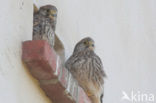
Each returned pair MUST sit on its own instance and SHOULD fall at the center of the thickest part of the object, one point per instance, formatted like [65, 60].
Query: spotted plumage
[44, 24]
[86, 67]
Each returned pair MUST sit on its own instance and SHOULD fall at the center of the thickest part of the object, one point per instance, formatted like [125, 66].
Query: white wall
[16, 83]
[124, 32]
[125, 36]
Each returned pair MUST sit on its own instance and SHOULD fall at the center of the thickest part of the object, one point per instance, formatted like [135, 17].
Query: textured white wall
[16, 84]
[124, 32]
[125, 36]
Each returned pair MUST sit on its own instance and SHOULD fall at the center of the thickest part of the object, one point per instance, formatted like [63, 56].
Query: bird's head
[49, 11]
[85, 44]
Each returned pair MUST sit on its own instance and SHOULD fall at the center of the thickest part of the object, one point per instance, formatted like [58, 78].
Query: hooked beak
[51, 17]
[53, 14]
[91, 45]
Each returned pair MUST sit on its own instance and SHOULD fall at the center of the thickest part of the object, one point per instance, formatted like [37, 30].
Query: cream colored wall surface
[16, 84]
[125, 36]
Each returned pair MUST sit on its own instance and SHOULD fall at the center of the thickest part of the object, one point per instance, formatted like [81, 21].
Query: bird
[35, 9]
[87, 69]
[46, 17]
[44, 22]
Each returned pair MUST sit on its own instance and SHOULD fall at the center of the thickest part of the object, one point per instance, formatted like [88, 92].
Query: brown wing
[42, 29]
[99, 73]
[88, 71]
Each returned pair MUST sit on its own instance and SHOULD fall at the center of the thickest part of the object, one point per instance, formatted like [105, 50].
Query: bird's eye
[85, 42]
[48, 10]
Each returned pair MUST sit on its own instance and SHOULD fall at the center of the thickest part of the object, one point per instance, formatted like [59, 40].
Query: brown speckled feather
[86, 67]
[42, 29]
[44, 23]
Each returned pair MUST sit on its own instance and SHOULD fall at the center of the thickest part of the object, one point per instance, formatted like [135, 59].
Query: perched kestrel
[44, 24]
[86, 67]
[44, 28]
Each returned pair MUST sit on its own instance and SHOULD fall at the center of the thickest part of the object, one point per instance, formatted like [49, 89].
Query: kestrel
[86, 67]
[44, 24]
[44, 28]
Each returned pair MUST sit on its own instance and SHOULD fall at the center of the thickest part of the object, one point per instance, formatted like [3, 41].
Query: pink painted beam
[42, 62]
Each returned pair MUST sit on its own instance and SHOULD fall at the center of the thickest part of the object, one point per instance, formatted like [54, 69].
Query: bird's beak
[53, 14]
[51, 17]
[91, 45]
